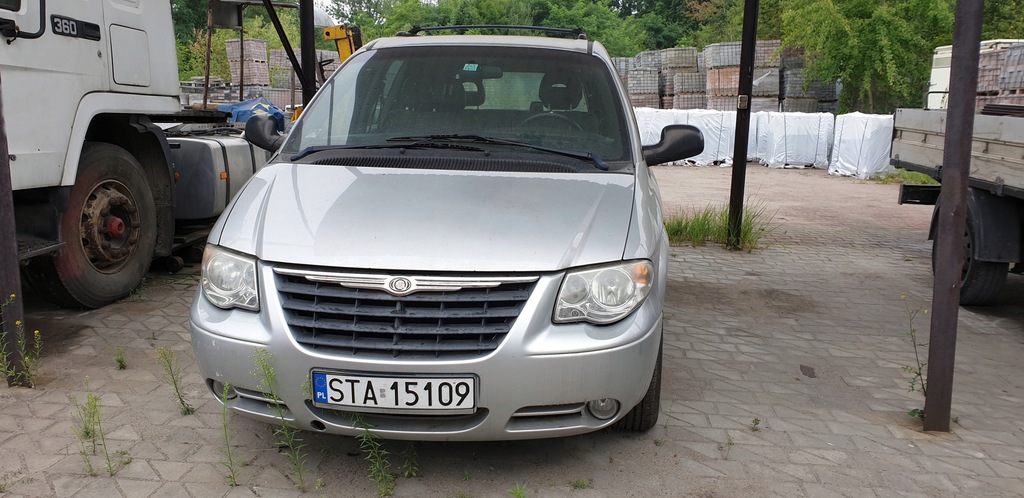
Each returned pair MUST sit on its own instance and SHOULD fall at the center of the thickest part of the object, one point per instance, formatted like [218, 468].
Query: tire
[644, 415]
[980, 281]
[109, 230]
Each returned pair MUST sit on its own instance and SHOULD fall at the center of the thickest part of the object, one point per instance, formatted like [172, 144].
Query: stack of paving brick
[1011, 78]
[680, 78]
[799, 95]
[250, 63]
[644, 82]
[622, 66]
[723, 75]
[283, 76]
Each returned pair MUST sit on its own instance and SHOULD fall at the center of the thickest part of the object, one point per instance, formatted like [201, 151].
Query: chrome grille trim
[356, 315]
[417, 283]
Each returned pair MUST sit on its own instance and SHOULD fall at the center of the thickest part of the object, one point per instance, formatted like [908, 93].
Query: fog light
[603, 409]
[217, 388]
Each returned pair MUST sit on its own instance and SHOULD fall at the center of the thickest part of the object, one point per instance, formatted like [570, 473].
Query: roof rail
[577, 33]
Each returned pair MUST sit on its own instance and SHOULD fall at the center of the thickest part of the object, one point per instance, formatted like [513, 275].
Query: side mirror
[677, 142]
[261, 131]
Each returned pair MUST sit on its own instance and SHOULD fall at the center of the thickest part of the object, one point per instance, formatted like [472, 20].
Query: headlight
[604, 294]
[229, 279]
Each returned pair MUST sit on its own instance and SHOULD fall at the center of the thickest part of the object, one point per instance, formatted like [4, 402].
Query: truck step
[30, 248]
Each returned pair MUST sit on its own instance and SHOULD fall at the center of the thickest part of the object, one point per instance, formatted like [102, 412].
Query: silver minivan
[460, 239]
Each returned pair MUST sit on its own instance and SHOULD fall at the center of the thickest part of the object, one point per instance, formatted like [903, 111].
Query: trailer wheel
[109, 231]
[980, 281]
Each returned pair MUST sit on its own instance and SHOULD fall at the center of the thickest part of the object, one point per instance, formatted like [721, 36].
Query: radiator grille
[465, 323]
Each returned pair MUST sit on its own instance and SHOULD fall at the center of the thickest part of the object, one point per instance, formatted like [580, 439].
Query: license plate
[430, 395]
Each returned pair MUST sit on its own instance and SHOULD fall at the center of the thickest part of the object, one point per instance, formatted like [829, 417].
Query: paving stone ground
[807, 337]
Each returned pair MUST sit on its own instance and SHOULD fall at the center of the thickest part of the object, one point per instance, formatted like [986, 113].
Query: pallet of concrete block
[861, 145]
[679, 57]
[723, 81]
[991, 63]
[767, 53]
[622, 65]
[254, 50]
[252, 72]
[648, 59]
[794, 84]
[689, 101]
[808, 105]
[1012, 77]
[643, 81]
[757, 104]
[766, 82]
[651, 100]
[797, 140]
[689, 83]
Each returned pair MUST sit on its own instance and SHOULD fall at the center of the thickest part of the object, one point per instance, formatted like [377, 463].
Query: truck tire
[980, 281]
[109, 231]
[644, 415]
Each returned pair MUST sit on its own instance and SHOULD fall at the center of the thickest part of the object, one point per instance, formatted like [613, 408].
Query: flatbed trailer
[995, 202]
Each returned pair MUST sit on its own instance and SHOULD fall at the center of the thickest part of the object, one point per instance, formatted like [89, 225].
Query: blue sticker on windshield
[470, 67]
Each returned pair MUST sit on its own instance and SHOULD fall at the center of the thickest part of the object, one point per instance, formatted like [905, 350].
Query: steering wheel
[552, 121]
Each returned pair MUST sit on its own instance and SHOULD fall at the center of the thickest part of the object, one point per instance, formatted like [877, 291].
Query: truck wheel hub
[110, 226]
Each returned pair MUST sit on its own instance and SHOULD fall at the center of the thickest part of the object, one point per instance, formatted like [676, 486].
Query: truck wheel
[980, 281]
[109, 231]
[644, 415]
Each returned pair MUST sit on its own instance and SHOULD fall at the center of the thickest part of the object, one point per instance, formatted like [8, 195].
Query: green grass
[904, 176]
[711, 224]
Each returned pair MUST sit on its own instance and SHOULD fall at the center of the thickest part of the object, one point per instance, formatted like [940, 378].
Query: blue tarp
[242, 111]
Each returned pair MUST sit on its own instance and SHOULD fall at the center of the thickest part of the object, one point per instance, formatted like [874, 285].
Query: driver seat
[560, 92]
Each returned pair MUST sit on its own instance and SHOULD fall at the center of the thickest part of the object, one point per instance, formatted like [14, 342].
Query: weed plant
[579, 484]
[755, 424]
[286, 436]
[711, 224]
[410, 467]
[87, 424]
[172, 375]
[29, 349]
[231, 462]
[372, 447]
[120, 358]
[517, 492]
[918, 369]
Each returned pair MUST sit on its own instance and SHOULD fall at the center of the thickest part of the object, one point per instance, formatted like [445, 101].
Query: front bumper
[534, 385]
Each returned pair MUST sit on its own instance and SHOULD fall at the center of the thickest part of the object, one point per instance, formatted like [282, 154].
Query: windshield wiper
[419, 144]
[479, 139]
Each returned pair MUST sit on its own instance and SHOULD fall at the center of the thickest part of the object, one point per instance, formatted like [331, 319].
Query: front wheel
[109, 232]
[644, 415]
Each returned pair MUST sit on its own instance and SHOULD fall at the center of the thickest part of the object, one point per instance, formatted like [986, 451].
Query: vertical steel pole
[209, 42]
[307, 49]
[739, 154]
[949, 248]
[10, 279]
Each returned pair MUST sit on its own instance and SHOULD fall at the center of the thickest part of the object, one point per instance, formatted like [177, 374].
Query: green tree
[1003, 19]
[722, 21]
[622, 37]
[880, 52]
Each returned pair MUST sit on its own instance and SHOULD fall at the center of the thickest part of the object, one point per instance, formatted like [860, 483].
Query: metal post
[739, 150]
[949, 247]
[307, 47]
[10, 279]
[276, 21]
[241, 54]
[209, 42]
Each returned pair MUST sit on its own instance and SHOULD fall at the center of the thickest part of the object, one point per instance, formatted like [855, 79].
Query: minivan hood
[428, 220]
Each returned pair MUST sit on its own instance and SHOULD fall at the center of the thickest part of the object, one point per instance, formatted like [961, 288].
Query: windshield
[552, 99]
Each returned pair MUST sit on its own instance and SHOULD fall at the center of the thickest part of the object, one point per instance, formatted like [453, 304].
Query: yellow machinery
[347, 39]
